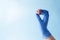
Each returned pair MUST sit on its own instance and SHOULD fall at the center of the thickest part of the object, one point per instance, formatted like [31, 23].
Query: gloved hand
[43, 22]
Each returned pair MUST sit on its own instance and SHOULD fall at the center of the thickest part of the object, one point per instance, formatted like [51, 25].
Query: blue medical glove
[44, 23]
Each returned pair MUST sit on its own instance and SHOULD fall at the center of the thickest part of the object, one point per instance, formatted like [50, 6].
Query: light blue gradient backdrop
[18, 20]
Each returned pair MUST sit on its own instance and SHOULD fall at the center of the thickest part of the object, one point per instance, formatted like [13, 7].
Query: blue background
[18, 20]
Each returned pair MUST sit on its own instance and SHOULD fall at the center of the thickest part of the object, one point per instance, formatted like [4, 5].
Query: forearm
[50, 38]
